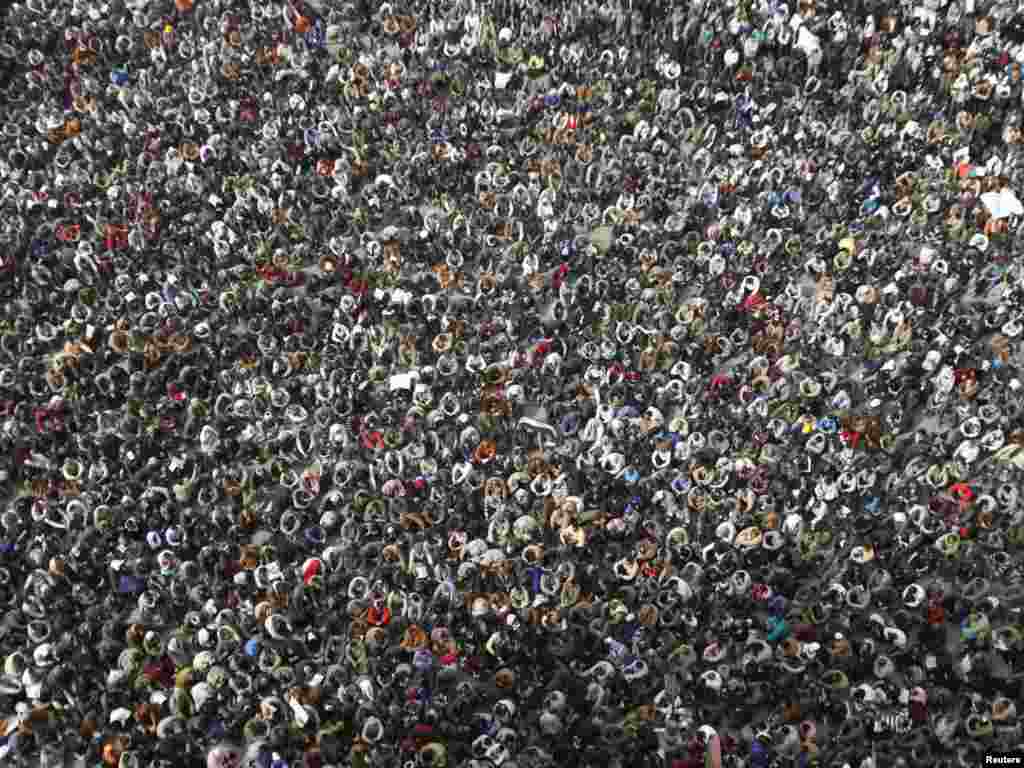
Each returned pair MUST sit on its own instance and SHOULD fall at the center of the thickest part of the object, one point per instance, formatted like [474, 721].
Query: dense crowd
[504, 384]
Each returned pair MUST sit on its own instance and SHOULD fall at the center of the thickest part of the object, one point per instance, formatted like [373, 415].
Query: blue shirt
[129, 585]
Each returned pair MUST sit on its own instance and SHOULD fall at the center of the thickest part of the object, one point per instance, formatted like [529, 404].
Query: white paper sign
[403, 380]
[808, 42]
[1002, 204]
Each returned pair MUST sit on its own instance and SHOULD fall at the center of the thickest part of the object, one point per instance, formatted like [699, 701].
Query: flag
[310, 570]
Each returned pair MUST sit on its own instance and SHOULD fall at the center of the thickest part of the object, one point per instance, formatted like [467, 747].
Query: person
[324, 363]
